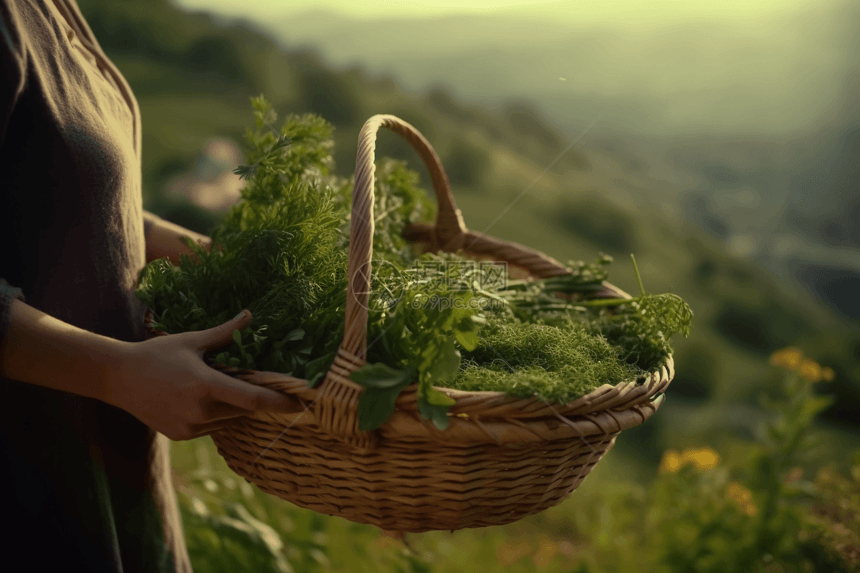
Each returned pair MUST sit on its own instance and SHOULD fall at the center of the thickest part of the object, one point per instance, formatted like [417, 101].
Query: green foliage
[781, 440]
[558, 363]
[697, 526]
[641, 329]
[282, 253]
[279, 256]
[638, 328]
[306, 141]
[465, 163]
[602, 223]
[329, 94]
[233, 542]
[700, 514]
[232, 526]
[420, 333]
[831, 531]
[399, 201]
[382, 386]
[697, 371]
[151, 46]
[533, 345]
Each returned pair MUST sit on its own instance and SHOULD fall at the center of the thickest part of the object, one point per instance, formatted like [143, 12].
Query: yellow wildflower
[827, 374]
[743, 497]
[671, 461]
[703, 459]
[788, 357]
[739, 493]
[810, 369]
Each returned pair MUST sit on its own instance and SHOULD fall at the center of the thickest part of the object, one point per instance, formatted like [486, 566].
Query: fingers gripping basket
[499, 460]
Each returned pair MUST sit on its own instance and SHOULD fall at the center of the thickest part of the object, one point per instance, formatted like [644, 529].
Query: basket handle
[448, 234]
[341, 422]
[449, 227]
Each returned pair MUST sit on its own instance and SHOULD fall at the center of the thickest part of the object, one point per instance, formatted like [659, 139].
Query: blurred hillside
[758, 109]
[193, 77]
[672, 72]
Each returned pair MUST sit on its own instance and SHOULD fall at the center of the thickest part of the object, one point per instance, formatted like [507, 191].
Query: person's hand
[164, 383]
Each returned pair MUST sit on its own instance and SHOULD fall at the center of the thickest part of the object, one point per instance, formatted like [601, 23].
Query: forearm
[164, 239]
[45, 351]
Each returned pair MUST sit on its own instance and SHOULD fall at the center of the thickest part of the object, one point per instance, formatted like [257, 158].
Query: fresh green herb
[433, 319]
[284, 252]
[559, 362]
[422, 332]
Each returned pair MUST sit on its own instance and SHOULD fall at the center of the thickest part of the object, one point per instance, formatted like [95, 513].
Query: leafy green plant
[232, 526]
[640, 327]
[528, 343]
[236, 541]
[282, 253]
[757, 515]
[831, 530]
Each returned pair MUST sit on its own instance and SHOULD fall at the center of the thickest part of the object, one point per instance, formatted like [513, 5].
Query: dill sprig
[557, 362]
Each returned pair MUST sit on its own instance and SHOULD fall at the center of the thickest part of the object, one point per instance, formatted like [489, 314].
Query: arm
[164, 239]
[163, 382]
[45, 351]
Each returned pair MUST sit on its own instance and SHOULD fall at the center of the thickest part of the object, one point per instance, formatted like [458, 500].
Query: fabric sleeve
[12, 65]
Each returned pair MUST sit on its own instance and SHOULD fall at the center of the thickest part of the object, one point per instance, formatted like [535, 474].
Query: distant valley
[770, 172]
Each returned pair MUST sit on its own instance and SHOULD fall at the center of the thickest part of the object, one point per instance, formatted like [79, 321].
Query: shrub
[597, 221]
[215, 54]
[697, 369]
[465, 163]
[330, 95]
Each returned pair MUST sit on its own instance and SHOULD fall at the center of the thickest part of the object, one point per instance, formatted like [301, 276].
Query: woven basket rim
[453, 392]
[477, 416]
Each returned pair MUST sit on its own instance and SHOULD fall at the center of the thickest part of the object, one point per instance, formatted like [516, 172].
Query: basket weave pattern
[499, 460]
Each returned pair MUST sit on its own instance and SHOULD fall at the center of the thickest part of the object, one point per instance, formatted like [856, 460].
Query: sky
[725, 66]
[614, 11]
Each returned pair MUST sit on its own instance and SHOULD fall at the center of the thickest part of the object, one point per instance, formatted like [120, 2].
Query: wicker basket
[499, 460]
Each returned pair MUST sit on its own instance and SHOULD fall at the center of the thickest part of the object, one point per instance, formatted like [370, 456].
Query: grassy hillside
[193, 80]
[649, 70]
[772, 151]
